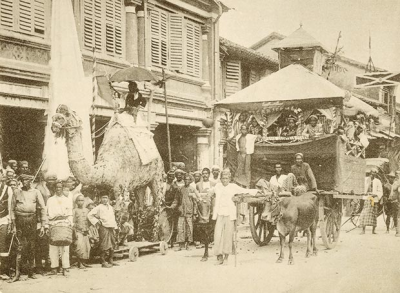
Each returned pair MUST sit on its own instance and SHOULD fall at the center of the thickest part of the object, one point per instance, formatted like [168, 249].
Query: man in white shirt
[278, 179]
[103, 218]
[59, 211]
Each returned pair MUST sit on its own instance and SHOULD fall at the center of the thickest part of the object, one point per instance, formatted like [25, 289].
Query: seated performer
[254, 127]
[291, 128]
[313, 129]
[134, 98]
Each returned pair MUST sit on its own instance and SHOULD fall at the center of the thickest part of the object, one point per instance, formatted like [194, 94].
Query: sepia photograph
[199, 146]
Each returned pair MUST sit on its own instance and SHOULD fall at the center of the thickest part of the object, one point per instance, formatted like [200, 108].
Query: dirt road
[360, 263]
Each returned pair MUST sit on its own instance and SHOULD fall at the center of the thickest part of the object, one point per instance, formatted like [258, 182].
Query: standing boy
[81, 229]
[103, 218]
[187, 210]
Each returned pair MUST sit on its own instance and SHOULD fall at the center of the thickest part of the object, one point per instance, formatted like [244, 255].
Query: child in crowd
[93, 234]
[187, 212]
[125, 229]
[81, 230]
[103, 218]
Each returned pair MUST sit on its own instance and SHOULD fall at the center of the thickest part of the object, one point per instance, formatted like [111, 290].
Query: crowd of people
[41, 220]
[47, 223]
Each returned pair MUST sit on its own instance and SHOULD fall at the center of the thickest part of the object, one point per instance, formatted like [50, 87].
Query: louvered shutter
[113, 36]
[92, 24]
[97, 26]
[88, 24]
[159, 37]
[7, 13]
[39, 21]
[192, 55]
[176, 41]
[25, 16]
[232, 77]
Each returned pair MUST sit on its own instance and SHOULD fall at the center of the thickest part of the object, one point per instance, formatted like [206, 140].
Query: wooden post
[149, 109]
[166, 119]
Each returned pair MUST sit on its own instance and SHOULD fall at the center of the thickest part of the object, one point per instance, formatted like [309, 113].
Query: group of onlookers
[40, 221]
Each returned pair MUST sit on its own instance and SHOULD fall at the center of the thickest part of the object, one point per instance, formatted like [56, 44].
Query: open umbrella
[137, 74]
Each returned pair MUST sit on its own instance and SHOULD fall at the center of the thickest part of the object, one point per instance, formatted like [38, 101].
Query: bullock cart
[339, 176]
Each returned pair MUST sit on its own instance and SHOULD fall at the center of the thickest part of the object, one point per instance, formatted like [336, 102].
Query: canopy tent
[290, 86]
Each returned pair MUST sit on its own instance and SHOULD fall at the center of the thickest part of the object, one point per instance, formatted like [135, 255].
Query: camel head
[65, 122]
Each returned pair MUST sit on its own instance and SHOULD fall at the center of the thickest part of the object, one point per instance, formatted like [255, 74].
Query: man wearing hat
[25, 205]
[6, 194]
[313, 129]
[23, 167]
[171, 201]
[303, 172]
[394, 201]
[59, 209]
[179, 177]
[103, 217]
[13, 165]
[373, 188]
[291, 128]
[215, 170]
[197, 176]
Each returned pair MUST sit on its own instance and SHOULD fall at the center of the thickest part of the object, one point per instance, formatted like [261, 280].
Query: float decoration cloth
[333, 169]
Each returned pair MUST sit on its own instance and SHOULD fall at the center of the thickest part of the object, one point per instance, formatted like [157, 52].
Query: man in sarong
[171, 201]
[374, 190]
[245, 148]
[81, 231]
[303, 173]
[59, 210]
[187, 211]
[225, 215]
[25, 204]
[103, 218]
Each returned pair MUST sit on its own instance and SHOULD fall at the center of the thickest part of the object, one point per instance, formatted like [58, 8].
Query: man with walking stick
[225, 213]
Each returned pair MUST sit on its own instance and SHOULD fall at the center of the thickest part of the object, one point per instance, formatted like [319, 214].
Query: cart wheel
[133, 254]
[330, 220]
[261, 231]
[163, 247]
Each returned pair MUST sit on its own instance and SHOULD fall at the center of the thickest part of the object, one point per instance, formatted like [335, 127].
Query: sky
[251, 20]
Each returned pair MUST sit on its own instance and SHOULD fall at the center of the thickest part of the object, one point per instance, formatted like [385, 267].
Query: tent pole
[166, 120]
[149, 109]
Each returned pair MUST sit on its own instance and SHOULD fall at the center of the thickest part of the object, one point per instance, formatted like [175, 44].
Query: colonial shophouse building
[180, 36]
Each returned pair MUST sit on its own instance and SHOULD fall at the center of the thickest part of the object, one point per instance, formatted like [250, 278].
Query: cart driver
[303, 170]
[278, 179]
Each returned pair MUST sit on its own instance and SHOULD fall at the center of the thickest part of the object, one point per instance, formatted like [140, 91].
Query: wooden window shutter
[25, 16]
[39, 20]
[92, 25]
[176, 41]
[232, 77]
[193, 46]
[113, 36]
[159, 37]
[7, 13]
[97, 31]
[88, 24]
